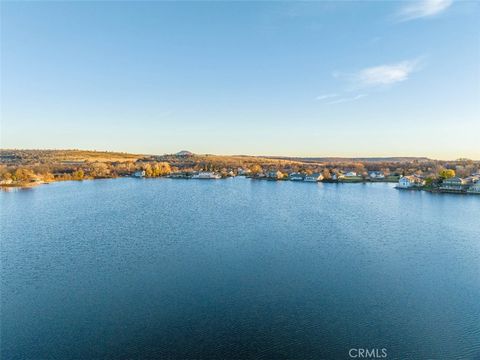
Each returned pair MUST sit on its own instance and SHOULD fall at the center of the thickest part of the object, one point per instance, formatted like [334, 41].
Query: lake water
[237, 269]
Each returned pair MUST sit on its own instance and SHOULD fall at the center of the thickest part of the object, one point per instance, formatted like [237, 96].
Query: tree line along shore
[23, 168]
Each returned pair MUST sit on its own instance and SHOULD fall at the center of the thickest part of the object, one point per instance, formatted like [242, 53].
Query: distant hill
[184, 153]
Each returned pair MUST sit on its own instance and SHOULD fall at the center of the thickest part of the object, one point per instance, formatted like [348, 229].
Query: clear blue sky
[273, 78]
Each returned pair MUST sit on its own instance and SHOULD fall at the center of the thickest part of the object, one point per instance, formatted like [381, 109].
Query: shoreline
[4, 187]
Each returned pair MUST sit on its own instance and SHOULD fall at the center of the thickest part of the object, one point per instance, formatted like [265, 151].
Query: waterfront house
[315, 177]
[260, 175]
[139, 174]
[180, 175]
[243, 172]
[337, 176]
[351, 174]
[472, 179]
[275, 175]
[453, 184]
[206, 175]
[296, 177]
[412, 181]
[475, 188]
[376, 175]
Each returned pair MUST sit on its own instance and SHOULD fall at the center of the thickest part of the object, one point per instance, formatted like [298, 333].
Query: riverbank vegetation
[30, 167]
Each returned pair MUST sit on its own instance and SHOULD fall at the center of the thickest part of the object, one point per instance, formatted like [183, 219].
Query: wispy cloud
[326, 96]
[347, 99]
[384, 75]
[421, 9]
[370, 79]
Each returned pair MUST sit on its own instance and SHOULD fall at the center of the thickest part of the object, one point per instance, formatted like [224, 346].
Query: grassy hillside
[29, 157]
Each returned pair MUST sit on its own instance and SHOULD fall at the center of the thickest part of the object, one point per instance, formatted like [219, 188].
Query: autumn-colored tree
[256, 169]
[78, 175]
[164, 168]
[157, 169]
[100, 170]
[446, 173]
[23, 175]
[148, 170]
[6, 176]
[48, 177]
[359, 168]
[326, 174]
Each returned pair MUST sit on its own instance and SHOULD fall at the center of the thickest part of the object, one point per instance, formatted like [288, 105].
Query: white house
[376, 175]
[243, 172]
[475, 188]
[472, 179]
[411, 181]
[351, 174]
[455, 183]
[275, 175]
[315, 177]
[296, 177]
[139, 174]
[205, 175]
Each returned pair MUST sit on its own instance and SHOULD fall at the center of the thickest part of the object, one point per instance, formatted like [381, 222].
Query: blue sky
[272, 78]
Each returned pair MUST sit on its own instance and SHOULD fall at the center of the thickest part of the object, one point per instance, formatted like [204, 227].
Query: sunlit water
[237, 269]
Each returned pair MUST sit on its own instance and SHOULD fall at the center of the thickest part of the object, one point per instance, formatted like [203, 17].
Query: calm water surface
[237, 269]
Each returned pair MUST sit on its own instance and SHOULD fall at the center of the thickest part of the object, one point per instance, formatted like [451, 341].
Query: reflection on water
[237, 269]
